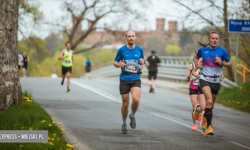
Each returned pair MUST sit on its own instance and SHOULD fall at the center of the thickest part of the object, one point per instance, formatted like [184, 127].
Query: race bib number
[195, 82]
[67, 62]
[131, 67]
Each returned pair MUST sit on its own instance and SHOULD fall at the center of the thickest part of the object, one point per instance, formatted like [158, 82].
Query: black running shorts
[200, 90]
[152, 74]
[87, 69]
[193, 92]
[215, 87]
[66, 69]
[125, 86]
[25, 66]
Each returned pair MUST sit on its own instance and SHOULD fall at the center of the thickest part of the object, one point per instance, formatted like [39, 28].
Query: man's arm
[228, 64]
[194, 73]
[73, 58]
[146, 62]
[61, 57]
[21, 58]
[141, 61]
[188, 73]
[195, 59]
[159, 62]
[119, 65]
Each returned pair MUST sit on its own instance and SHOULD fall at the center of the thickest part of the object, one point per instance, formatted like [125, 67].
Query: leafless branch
[197, 13]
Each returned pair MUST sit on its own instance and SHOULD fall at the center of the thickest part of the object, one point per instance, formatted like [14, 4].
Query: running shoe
[204, 123]
[196, 114]
[205, 132]
[132, 122]
[194, 127]
[124, 129]
[153, 91]
[62, 82]
[210, 130]
[199, 116]
[150, 90]
[68, 89]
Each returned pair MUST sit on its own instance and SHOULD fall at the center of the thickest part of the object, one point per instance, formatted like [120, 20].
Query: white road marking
[113, 98]
[102, 93]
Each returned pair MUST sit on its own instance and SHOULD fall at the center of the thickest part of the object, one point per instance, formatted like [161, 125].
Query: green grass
[30, 116]
[237, 98]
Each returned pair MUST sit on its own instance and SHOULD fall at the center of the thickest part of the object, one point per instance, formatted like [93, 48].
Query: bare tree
[92, 12]
[202, 13]
[28, 10]
[10, 88]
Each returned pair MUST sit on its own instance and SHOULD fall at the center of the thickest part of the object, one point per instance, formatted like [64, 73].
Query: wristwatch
[222, 63]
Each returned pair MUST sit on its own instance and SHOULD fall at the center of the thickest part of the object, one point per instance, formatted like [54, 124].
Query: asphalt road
[90, 113]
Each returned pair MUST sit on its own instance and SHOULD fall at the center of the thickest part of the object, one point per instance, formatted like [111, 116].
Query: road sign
[238, 25]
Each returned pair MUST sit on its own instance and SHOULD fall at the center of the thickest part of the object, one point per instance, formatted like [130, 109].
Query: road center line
[113, 98]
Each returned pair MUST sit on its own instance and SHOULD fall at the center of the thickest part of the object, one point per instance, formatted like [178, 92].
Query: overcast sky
[167, 9]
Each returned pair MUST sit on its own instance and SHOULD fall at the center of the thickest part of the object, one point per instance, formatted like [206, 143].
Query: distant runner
[20, 60]
[153, 62]
[67, 56]
[196, 94]
[26, 59]
[88, 64]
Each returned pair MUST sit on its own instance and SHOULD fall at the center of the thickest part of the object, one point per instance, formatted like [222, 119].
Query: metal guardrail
[173, 69]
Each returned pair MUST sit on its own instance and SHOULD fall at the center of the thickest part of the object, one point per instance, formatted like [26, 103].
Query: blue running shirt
[131, 58]
[86, 62]
[210, 67]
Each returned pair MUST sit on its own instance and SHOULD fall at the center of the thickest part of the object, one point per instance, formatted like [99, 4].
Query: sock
[124, 121]
[208, 114]
[150, 86]
[133, 113]
[67, 87]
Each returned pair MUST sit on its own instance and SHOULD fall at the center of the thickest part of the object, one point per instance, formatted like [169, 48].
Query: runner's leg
[136, 93]
[68, 74]
[149, 82]
[194, 101]
[125, 103]
[124, 111]
[153, 83]
[208, 109]
[209, 103]
[24, 71]
[202, 102]
[214, 99]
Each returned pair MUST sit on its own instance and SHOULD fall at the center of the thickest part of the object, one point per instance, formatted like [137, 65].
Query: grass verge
[237, 98]
[30, 116]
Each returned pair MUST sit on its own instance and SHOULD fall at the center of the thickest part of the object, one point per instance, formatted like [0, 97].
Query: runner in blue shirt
[213, 59]
[88, 64]
[129, 58]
